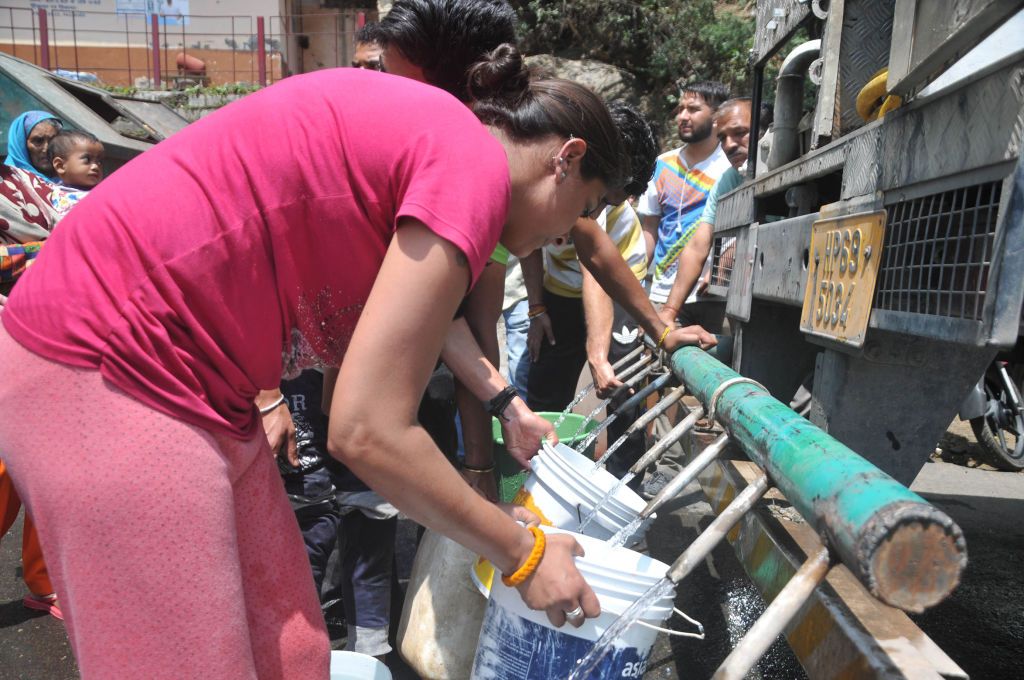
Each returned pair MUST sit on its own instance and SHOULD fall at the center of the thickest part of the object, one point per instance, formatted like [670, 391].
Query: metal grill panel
[938, 253]
[723, 259]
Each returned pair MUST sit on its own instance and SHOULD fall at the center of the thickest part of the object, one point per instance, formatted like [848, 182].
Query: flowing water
[590, 416]
[589, 517]
[597, 432]
[572, 404]
[612, 449]
[588, 664]
[623, 535]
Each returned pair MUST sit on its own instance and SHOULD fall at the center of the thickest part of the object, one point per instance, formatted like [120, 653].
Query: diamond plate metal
[864, 50]
[863, 169]
[790, 14]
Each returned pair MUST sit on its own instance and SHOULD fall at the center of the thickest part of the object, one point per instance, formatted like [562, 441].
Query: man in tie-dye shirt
[672, 205]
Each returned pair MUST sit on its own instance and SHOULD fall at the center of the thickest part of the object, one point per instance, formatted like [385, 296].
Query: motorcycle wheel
[1001, 436]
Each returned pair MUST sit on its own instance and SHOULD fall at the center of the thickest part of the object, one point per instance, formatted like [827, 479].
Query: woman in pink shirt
[339, 214]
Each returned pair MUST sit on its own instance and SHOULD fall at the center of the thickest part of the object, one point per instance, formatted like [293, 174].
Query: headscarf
[17, 140]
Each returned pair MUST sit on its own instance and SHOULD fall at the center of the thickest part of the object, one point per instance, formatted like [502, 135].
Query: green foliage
[662, 42]
[119, 90]
[220, 90]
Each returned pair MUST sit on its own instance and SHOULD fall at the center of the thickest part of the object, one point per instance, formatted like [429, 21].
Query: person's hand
[557, 587]
[281, 433]
[540, 329]
[605, 381]
[520, 514]
[482, 482]
[668, 316]
[690, 335]
[523, 432]
[703, 283]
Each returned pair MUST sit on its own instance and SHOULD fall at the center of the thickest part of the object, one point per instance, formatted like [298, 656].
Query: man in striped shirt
[671, 207]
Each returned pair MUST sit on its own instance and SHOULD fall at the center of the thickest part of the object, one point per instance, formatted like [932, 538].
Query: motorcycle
[996, 412]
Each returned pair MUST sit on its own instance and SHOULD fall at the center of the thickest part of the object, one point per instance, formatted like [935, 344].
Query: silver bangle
[267, 409]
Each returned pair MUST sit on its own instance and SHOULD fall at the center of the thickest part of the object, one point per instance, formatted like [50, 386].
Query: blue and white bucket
[517, 643]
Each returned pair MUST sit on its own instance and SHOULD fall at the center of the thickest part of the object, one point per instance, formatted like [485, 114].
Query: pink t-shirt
[189, 275]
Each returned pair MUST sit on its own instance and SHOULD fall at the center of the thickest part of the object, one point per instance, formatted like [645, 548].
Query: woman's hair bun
[501, 74]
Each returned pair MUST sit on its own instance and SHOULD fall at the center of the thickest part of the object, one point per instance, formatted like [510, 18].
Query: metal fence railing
[147, 50]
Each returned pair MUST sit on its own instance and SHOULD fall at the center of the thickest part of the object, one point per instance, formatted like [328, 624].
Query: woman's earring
[564, 174]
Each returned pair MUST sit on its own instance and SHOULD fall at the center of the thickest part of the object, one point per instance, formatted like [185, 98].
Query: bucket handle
[677, 633]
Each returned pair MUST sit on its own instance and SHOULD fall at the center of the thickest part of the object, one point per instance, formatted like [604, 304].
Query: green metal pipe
[905, 551]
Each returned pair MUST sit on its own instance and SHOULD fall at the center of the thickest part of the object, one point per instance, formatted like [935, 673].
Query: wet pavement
[33, 645]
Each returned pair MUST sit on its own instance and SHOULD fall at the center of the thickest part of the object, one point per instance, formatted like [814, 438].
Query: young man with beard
[671, 208]
[670, 212]
[732, 121]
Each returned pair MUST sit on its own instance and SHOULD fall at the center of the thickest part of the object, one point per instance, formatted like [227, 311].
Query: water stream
[589, 663]
[591, 416]
[590, 438]
[612, 449]
[624, 534]
[589, 517]
[572, 404]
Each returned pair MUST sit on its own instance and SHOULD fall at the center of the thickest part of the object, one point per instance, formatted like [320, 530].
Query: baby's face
[83, 167]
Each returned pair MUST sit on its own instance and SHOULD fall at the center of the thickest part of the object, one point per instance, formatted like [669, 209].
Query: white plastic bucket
[564, 487]
[517, 643]
[353, 666]
[598, 480]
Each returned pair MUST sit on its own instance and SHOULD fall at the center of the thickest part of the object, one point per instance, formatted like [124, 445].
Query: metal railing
[136, 49]
[904, 552]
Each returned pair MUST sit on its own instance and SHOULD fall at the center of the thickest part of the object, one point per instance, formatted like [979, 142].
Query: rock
[608, 81]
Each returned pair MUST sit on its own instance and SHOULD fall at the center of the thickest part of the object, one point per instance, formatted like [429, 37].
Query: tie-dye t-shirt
[677, 194]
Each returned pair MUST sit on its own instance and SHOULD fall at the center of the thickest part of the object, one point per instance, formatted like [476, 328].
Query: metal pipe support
[717, 530]
[775, 618]
[686, 475]
[670, 438]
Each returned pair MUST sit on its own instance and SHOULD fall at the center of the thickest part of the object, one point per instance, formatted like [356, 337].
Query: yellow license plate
[843, 265]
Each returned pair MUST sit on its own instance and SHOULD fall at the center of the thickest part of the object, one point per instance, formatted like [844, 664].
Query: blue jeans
[312, 497]
[517, 325]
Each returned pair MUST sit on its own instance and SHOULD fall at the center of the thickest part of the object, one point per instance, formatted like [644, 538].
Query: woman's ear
[570, 154]
[573, 150]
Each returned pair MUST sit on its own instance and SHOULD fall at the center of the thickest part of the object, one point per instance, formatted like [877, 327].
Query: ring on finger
[575, 613]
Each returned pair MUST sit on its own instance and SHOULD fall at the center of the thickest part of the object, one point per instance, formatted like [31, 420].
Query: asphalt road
[981, 626]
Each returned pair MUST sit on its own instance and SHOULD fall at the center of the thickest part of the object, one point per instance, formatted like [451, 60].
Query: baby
[77, 159]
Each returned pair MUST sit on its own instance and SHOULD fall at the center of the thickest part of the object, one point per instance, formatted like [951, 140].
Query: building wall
[100, 22]
[113, 39]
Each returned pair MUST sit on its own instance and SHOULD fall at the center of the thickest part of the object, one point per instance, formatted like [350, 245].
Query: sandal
[44, 603]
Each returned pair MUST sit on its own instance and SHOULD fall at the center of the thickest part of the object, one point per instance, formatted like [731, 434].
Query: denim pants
[312, 497]
[517, 325]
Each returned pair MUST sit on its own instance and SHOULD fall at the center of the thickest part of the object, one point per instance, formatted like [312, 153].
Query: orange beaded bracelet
[530, 565]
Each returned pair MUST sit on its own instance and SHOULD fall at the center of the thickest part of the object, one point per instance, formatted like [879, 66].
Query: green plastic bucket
[509, 473]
